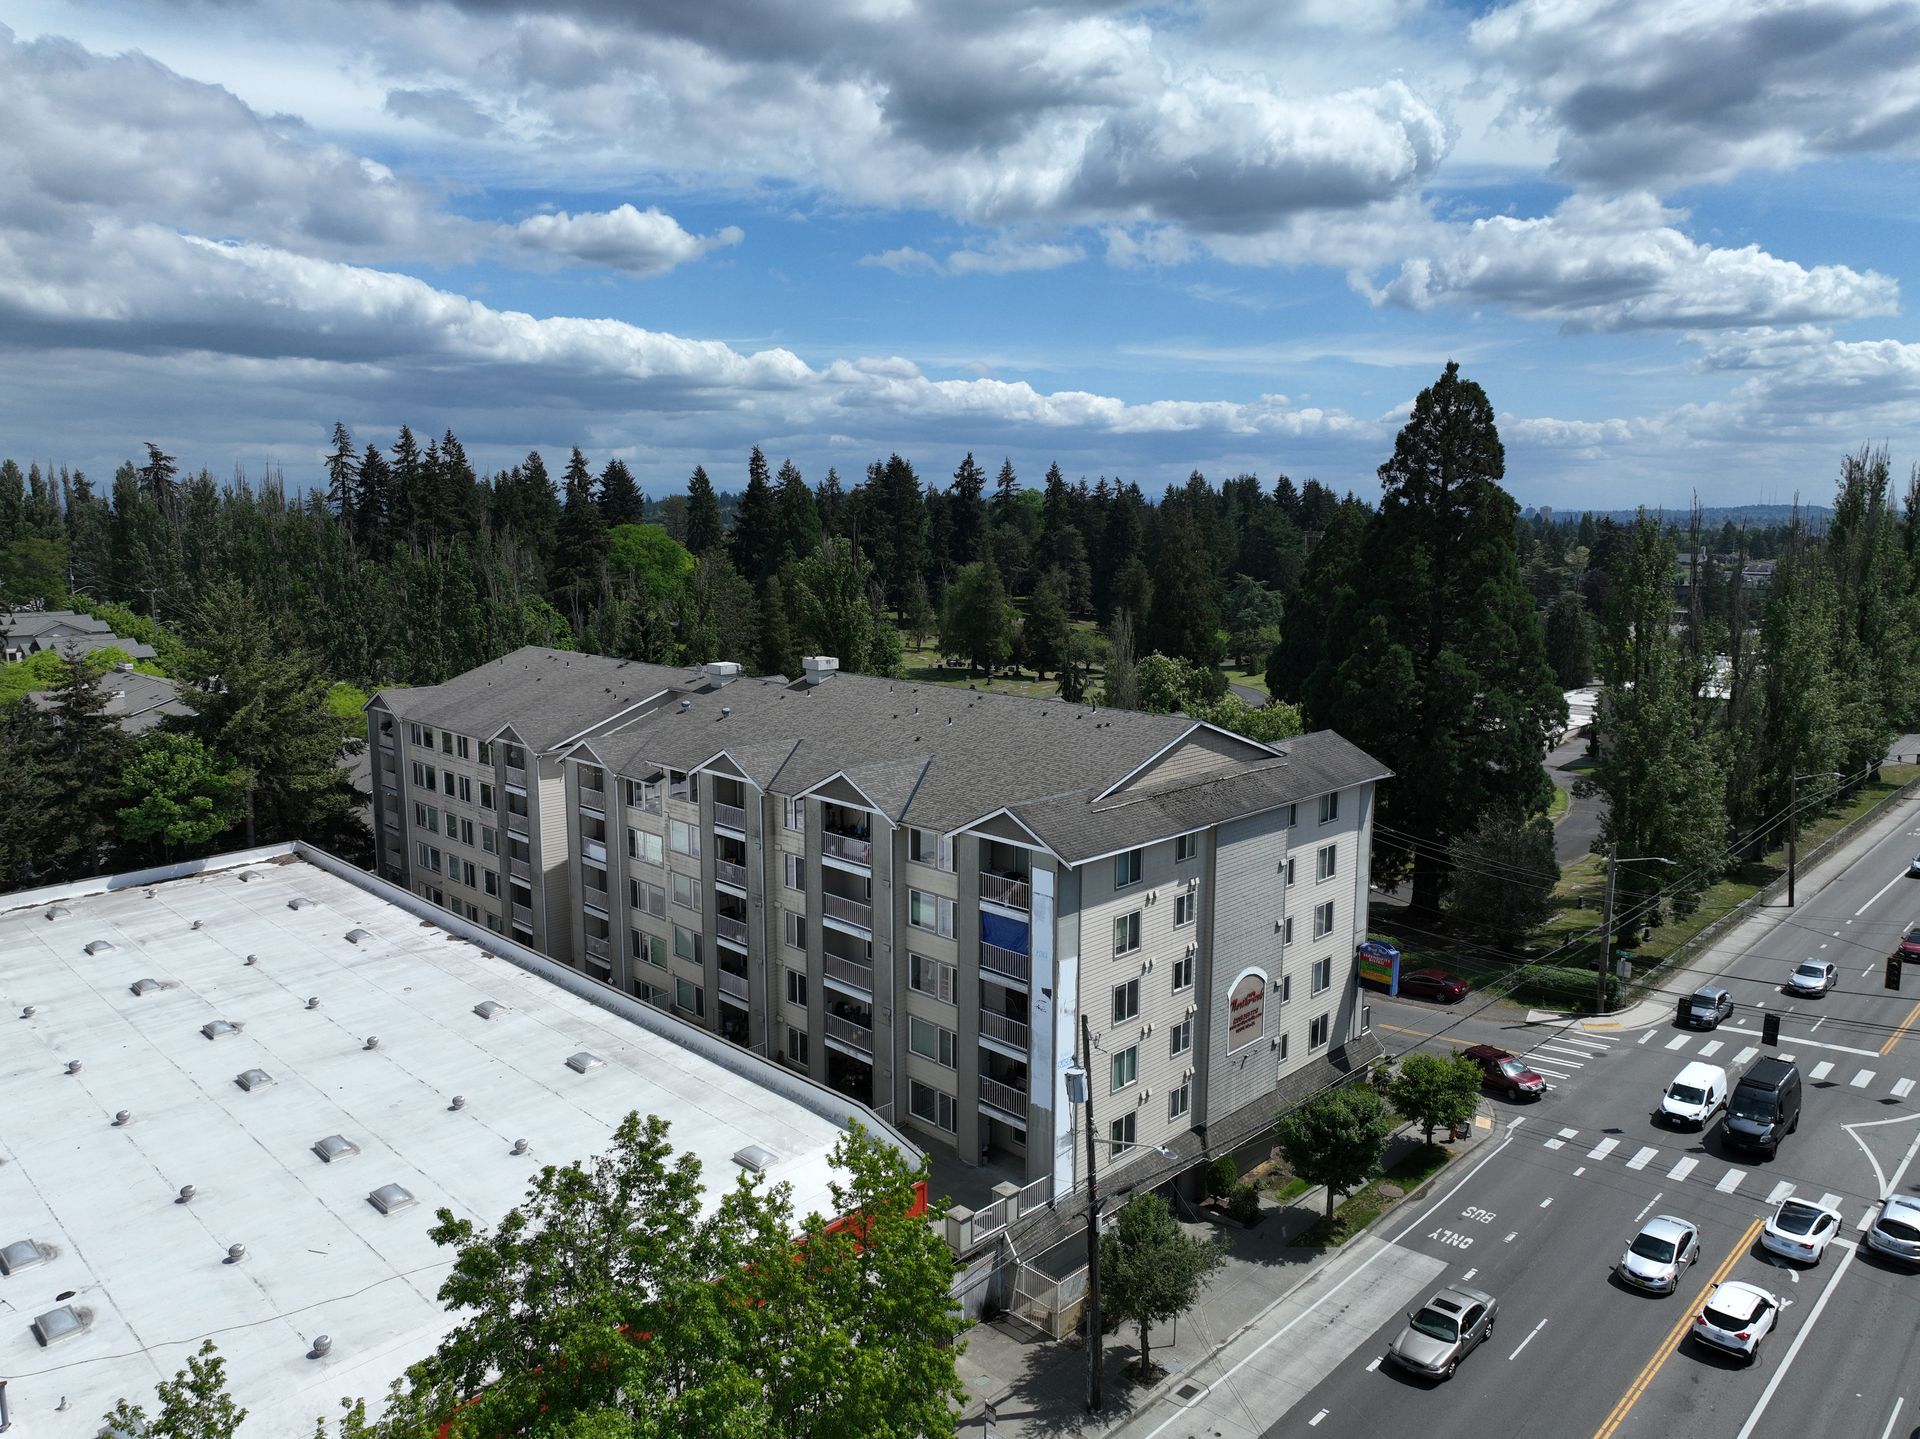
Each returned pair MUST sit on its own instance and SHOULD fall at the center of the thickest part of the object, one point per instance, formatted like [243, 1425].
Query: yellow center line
[1672, 1341]
[1901, 1032]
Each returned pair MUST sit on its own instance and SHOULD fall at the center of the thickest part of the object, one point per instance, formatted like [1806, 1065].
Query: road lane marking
[1580, 1171]
[1545, 1202]
[1672, 1341]
[1680, 1041]
[1569, 1133]
[1821, 1071]
[1650, 1203]
[1901, 1032]
[1796, 1039]
[1730, 1181]
[1316, 1418]
[1830, 1201]
[1903, 1089]
[1711, 1048]
[1528, 1340]
[1511, 1237]
[1603, 1148]
[1743, 1056]
[1876, 899]
[1779, 1192]
[1554, 1073]
[1645, 1037]
[1861, 1080]
[1374, 1365]
[1793, 1349]
[1893, 1417]
[1640, 1158]
[1685, 1167]
[1467, 1278]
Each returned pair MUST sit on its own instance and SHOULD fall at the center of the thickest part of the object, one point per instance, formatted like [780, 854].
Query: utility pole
[1090, 1311]
[1793, 833]
[1606, 934]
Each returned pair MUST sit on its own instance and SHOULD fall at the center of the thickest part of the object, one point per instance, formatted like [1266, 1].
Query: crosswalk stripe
[1744, 1055]
[1645, 1037]
[1831, 1201]
[1903, 1089]
[1730, 1181]
[1640, 1158]
[1780, 1192]
[1554, 1144]
[1821, 1071]
[1711, 1048]
[1569, 1134]
[1680, 1041]
[1861, 1080]
[1603, 1148]
[1683, 1168]
[1550, 1073]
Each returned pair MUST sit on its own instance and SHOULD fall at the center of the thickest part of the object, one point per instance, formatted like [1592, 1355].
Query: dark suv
[1705, 1008]
[1501, 1070]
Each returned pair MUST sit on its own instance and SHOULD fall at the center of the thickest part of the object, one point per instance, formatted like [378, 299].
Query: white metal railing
[847, 1031]
[1010, 1098]
[725, 871]
[731, 983]
[734, 931]
[848, 911]
[1005, 961]
[845, 846]
[1003, 1027]
[1005, 890]
[848, 971]
[730, 815]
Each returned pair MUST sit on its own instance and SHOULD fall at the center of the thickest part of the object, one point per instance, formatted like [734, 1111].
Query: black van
[1764, 1106]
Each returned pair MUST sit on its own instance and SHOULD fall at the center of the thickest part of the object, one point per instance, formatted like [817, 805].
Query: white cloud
[640, 242]
[902, 260]
[997, 255]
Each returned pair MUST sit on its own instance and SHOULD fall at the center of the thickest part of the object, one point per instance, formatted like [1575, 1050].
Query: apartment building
[913, 893]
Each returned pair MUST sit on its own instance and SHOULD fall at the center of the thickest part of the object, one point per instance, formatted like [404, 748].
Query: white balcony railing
[1003, 1027]
[849, 971]
[733, 931]
[1008, 1097]
[730, 816]
[1005, 961]
[734, 984]
[725, 871]
[848, 911]
[845, 846]
[859, 1036]
[1003, 890]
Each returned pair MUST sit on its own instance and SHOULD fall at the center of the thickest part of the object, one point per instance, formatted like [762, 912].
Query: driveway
[1579, 827]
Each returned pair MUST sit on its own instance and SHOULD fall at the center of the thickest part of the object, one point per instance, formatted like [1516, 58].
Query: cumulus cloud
[640, 242]
[441, 108]
[1640, 91]
[1622, 264]
[998, 255]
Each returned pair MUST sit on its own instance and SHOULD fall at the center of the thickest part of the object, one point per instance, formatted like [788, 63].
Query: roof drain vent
[27, 1011]
[187, 1192]
[73, 1066]
[198, 924]
[685, 705]
[459, 1102]
[726, 711]
[251, 959]
[313, 1002]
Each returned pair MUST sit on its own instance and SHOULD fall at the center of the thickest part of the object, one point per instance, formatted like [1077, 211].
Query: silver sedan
[1443, 1331]
[1659, 1254]
[1813, 976]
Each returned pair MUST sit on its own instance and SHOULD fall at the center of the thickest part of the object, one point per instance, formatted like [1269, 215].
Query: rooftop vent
[354, 936]
[313, 1002]
[22, 1254]
[59, 911]
[726, 711]
[391, 1199]
[236, 1253]
[99, 946]
[685, 705]
[122, 1118]
[520, 1146]
[459, 1101]
[722, 672]
[198, 924]
[251, 959]
[145, 986]
[248, 876]
[818, 669]
[187, 1191]
[373, 1042]
[217, 1028]
[300, 902]
[27, 1011]
[252, 1079]
[322, 1347]
[335, 1146]
[488, 1008]
[755, 1157]
[63, 1323]
[73, 1066]
[585, 1062]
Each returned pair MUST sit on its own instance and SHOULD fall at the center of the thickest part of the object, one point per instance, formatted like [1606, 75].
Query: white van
[1697, 1093]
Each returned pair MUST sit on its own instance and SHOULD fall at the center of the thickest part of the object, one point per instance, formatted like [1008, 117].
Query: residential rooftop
[289, 1037]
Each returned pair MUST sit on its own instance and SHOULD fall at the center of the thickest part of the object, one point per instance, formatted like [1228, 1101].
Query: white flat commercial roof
[99, 1201]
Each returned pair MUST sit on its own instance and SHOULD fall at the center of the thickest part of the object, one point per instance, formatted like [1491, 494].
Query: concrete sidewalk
[1037, 1387]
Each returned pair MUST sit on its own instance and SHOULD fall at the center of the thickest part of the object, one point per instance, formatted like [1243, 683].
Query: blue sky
[1672, 238]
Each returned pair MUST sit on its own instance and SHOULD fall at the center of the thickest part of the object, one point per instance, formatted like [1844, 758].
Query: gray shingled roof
[137, 702]
[545, 696]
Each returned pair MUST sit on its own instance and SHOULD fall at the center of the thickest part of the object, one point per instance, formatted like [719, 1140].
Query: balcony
[598, 949]
[1010, 963]
[391, 820]
[846, 847]
[520, 870]
[730, 931]
[725, 871]
[734, 984]
[1006, 890]
[1003, 1027]
[516, 776]
[1008, 1098]
[390, 777]
[517, 825]
[387, 741]
[849, 971]
[857, 1036]
[729, 816]
[593, 801]
[594, 896]
[594, 851]
[523, 916]
[847, 911]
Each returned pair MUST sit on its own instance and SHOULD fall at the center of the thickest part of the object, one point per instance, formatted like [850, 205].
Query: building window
[1180, 1039]
[490, 881]
[1126, 1067]
[1323, 920]
[683, 838]
[468, 875]
[933, 977]
[686, 944]
[1320, 1032]
[1289, 870]
[413, 733]
[446, 742]
[485, 753]
[644, 846]
[648, 948]
[1183, 973]
[466, 790]
[1126, 933]
[1186, 847]
[930, 1041]
[446, 782]
[1329, 807]
[689, 998]
[486, 795]
[930, 847]
[647, 898]
[1126, 869]
[493, 921]
[683, 892]
[793, 868]
[461, 749]
[1120, 1136]
[682, 785]
[466, 831]
[1126, 1001]
[426, 736]
[930, 1104]
[793, 813]
[1325, 861]
[1283, 1049]
[796, 1047]
[1180, 1101]
[1286, 989]
[930, 911]
[797, 987]
[1286, 931]
[1322, 975]
[1185, 906]
[489, 840]
[795, 926]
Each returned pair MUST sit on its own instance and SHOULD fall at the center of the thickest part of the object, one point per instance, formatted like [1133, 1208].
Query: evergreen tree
[620, 499]
[1184, 621]
[1569, 647]
[897, 537]
[755, 542]
[967, 514]
[67, 764]
[704, 533]
[720, 618]
[833, 612]
[976, 620]
[1504, 876]
[1045, 632]
[1253, 621]
[410, 504]
[343, 475]
[1006, 495]
[157, 480]
[798, 519]
[580, 548]
[778, 653]
[373, 494]
[830, 500]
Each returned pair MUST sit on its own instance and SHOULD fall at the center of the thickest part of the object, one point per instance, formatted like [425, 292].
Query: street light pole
[1606, 934]
[1793, 823]
[1090, 1311]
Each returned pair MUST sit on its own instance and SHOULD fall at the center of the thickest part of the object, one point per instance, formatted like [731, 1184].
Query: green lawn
[1558, 805]
[1253, 679]
[1368, 1203]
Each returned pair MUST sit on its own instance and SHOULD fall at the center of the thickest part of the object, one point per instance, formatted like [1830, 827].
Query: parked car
[1764, 1107]
[1812, 976]
[1443, 1331]
[1697, 1093]
[1503, 1071]
[1895, 1231]
[1910, 941]
[1913, 866]
[1736, 1317]
[1659, 1254]
[1433, 984]
[1705, 1008]
[1800, 1229]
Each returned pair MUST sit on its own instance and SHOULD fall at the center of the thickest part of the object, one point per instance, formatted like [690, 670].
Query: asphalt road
[1579, 827]
[1541, 1217]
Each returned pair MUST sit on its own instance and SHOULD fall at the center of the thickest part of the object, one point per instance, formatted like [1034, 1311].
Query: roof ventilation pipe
[373, 1042]
[725, 710]
[459, 1102]
[721, 672]
[685, 705]
[322, 1347]
[818, 669]
[73, 1066]
[520, 1146]
[235, 1253]
[27, 1012]
[313, 1002]
[122, 1118]
[186, 1194]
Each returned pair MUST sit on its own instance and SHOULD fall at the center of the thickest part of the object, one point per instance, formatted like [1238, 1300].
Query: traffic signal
[1770, 1029]
[1893, 971]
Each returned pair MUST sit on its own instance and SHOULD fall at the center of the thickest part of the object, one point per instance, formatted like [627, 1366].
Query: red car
[1502, 1071]
[1910, 941]
[1433, 984]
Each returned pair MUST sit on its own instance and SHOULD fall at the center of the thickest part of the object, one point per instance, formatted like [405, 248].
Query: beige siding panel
[1201, 752]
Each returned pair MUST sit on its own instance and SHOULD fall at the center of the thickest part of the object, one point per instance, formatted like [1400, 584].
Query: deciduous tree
[1151, 1270]
[1435, 1091]
[1336, 1139]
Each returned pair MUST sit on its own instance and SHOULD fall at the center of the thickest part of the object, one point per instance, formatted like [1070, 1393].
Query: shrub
[1243, 1203]
[1553, 987]
[1222, 1175]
